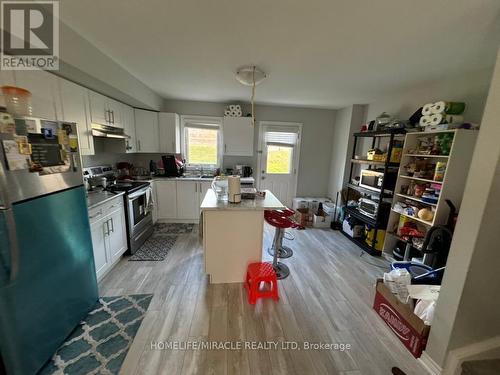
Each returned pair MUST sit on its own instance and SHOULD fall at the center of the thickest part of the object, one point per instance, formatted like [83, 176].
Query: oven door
[137, 209]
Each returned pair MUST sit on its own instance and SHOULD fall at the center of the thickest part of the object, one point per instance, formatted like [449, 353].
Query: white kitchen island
[233, 235]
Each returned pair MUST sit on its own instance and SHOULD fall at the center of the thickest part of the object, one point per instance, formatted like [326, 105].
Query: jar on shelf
[17, 101]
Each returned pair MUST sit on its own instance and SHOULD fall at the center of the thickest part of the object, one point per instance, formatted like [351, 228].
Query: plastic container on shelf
[17, 101]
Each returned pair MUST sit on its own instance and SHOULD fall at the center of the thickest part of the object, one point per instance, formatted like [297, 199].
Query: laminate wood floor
[328, 298]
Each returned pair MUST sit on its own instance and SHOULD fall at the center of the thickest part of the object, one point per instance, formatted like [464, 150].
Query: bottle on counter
[320, 211]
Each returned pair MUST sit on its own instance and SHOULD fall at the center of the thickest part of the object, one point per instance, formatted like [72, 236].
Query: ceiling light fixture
[251, 76]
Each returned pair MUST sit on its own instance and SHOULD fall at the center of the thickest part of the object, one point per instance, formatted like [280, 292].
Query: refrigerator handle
[13, 265]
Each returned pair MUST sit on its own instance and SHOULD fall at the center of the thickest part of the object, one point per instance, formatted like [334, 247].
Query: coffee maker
[246, 171]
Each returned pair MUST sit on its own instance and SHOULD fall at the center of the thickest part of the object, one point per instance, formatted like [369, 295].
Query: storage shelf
[421, 179]
[416, 199]
[358, 215]
[427, 156]
[428, 223]
[381, 133]
[368, 191]
[373, 162]
[362, 244]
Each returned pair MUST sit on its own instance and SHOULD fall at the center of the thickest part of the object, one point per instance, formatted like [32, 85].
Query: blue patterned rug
[101, 341]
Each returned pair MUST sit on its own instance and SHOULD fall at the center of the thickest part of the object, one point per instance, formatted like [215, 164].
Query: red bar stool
[283, 251]
[280, 222]
[258, 273]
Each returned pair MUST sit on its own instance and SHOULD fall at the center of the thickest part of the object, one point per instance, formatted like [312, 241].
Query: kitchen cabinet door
[75, 108]
[187, 200]
[99, 230]
[115, 113]
[166, 198]
[129, 128]
[117, 234]
[99, 112]
[45, 95]
[238, 136]
[146, 130]
[203, 188]
[170, 136]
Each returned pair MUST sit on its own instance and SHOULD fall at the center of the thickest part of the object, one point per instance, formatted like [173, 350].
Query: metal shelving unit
[379, 222]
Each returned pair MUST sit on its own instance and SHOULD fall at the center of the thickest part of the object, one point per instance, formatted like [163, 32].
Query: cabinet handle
[195, 188]
[106, 231]
[113, 116]
[112, 225]
[138, 145]
[225, 147]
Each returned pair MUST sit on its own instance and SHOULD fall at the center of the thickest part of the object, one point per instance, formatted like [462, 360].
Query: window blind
[281, 138]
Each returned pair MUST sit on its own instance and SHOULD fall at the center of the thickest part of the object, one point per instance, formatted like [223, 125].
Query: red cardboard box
[408, 327]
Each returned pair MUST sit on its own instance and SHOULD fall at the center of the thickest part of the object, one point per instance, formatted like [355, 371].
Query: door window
[279, 159]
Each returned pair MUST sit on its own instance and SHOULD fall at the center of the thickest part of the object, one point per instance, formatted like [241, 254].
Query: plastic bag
[424, 309]
[396, 281]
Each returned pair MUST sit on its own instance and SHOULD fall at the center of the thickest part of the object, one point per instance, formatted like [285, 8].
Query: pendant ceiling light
[251, 76]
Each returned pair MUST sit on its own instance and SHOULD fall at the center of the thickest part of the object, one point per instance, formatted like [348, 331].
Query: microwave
[373, 179]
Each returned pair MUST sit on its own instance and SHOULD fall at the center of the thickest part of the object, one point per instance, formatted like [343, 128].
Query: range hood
[105, 131]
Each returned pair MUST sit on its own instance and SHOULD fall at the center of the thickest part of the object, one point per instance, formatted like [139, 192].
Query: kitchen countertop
[95, 198]
[270, 202]
[190, 178]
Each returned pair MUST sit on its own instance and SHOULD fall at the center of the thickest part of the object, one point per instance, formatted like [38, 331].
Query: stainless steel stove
[138, 207]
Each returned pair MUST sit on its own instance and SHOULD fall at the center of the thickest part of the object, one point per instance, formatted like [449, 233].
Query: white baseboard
[428, 363]
[457, 356]
[182, 221]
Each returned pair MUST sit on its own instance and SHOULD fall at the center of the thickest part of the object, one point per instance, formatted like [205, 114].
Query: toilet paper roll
[425, 120]
[454, 119]
[232, 107]
[234, 189]
[438, 107]
[449, 108]
[427, 109]
[436, 119]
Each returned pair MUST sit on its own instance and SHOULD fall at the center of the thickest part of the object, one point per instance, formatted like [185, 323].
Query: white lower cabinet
[109, 234]
[187, 202]
[180, 199]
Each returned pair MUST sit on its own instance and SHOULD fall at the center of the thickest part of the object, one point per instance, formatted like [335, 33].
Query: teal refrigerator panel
[55, 286]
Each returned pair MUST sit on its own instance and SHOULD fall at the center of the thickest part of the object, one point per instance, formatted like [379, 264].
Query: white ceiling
[327, 53]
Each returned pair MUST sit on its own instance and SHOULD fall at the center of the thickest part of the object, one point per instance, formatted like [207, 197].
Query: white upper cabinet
[170, 133]
[146, 130]
[44, 88]
[129, 128]
[115, 109]
[75, 108]
[105, 111]
[98, 109]
[238, 136]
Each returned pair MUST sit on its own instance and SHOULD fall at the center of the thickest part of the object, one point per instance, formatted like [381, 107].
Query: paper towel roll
[436, 119]
[234, 189]
[427, 109]
[425, 120]
[454, 119]
[232, 107]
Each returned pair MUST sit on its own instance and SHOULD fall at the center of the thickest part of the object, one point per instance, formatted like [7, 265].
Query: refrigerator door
[56, 156]
[55, 285]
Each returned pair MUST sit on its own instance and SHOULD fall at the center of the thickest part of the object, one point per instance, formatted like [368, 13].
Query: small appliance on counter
[247, 171]
[124, 170]
[234, 189]
[172, 165]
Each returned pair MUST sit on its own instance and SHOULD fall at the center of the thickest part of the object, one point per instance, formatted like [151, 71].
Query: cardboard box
[322, 221]
[356, 232]
[301, 216]
[408, 327]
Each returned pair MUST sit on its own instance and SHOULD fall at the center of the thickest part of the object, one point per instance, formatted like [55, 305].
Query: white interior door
[279, 149]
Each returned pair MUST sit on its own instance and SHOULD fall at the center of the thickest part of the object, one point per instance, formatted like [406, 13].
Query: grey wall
[83, 63]
[317, 133]
[347, 122]
[468, 309]
[471, 88]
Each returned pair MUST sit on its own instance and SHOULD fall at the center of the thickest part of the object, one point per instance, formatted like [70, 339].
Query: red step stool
[257, 273]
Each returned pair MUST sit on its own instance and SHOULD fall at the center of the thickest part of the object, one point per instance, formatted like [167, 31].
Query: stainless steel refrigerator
[47, 273]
